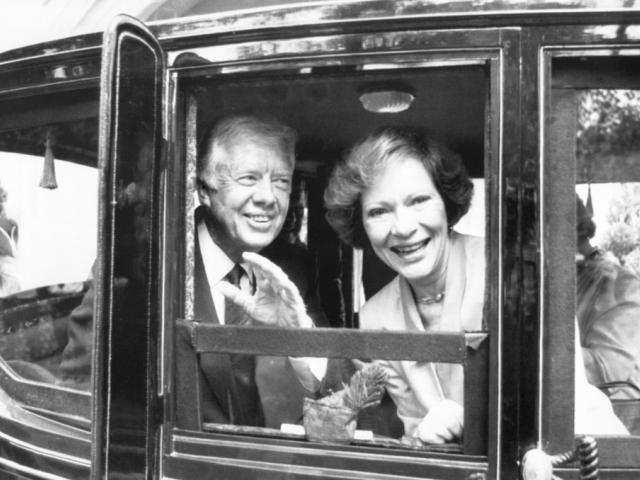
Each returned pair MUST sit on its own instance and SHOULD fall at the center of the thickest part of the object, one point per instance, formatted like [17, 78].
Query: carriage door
[127, 266]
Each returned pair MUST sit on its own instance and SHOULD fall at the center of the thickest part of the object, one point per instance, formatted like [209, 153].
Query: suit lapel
[216, 367]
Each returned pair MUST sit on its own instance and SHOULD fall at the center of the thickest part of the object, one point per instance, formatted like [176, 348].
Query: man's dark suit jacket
[279, 391]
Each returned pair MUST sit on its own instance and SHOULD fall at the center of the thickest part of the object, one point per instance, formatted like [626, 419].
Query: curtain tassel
[48, 179]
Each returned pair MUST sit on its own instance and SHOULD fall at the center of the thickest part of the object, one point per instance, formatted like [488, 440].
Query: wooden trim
[476, 398]
[338, 343]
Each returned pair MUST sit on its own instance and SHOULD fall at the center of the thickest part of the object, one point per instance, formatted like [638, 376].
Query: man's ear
[203, 194]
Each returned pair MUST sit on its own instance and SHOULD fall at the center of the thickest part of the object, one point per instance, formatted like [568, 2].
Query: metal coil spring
[563, 458]
[586, 452]
[588, 456]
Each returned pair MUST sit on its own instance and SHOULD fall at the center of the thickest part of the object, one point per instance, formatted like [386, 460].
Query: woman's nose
[405, 223]
[264, 193]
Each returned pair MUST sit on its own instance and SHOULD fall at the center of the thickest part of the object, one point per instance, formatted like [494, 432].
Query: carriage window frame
[557, 236]
[53, 420]
[486, 48]
[70, 406]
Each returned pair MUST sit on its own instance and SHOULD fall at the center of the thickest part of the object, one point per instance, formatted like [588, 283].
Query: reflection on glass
[430, 191]
[47, 248]
[608, 246]
[352, 406]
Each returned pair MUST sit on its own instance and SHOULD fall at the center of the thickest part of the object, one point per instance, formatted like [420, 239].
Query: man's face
[249, 197]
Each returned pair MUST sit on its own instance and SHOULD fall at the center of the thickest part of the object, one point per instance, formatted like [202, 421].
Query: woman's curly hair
[357, 171]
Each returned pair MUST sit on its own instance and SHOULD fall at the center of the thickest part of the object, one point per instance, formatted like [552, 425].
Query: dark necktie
[248, 408]
[234, 315]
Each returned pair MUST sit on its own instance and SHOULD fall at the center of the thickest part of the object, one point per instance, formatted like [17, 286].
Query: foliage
[608, 122]
[365, 389]
[623, 236]
[608, 134]
[608, 139]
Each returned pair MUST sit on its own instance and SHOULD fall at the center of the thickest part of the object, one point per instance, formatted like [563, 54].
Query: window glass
[48, 238]
[608, 245]
[264, 181]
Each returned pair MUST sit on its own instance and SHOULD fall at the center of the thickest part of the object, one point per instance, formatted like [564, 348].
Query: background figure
[608, 312]
[293, 222]
[9, 282]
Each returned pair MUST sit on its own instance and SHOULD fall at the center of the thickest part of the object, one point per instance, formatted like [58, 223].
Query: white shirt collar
[216, 263]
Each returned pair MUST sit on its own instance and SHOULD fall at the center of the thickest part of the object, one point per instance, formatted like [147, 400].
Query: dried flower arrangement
[365, 389]
[333, 418]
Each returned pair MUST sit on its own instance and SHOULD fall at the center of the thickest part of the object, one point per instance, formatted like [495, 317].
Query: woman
[400, 193]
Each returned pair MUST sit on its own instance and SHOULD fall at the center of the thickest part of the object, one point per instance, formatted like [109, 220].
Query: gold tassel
[48, 179]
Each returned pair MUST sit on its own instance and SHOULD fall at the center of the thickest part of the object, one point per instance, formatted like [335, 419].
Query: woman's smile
[410, 250]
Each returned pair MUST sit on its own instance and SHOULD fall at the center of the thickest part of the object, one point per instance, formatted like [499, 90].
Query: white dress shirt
[216, 266]
[309, 370]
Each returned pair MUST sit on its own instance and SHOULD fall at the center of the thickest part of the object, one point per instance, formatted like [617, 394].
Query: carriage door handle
[537, 465]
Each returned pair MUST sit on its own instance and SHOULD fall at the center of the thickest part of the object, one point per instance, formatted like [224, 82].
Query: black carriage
[120, 115]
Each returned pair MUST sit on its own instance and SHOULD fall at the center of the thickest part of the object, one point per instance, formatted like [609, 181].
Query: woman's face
[406, 222]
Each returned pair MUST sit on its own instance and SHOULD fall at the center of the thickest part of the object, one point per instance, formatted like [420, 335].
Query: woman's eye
[375, 212]
[420, 199]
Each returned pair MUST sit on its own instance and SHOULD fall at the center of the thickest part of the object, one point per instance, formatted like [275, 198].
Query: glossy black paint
[124, 407]
[519, 230]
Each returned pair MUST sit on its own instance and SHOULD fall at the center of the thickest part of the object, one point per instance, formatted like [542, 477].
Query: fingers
[455, 429]
[237, 296]
[431, 430]
[433, 437]
[270, 276]
[443, 423]
[260, 263]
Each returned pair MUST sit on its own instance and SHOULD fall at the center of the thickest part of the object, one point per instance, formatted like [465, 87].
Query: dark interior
[324, 106]
[326, 111]
[69, 118]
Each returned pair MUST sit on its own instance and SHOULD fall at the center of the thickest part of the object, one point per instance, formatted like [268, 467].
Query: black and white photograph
[321, 239]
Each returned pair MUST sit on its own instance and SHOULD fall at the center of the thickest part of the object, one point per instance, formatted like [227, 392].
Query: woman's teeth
[409, 249]
[259, 218]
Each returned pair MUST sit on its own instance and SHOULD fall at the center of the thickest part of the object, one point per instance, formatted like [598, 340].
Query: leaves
[608, 122]
[623, 229]
[365, 389]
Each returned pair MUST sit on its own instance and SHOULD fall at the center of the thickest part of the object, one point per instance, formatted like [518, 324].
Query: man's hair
[585, 226]
[263, 130]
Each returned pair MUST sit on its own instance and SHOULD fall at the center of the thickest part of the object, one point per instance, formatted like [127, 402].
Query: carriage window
[595, 122]
[356, 188]
[48, 232]
[608, 245]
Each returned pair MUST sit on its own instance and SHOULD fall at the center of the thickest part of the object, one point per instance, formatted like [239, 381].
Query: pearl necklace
[430, 300]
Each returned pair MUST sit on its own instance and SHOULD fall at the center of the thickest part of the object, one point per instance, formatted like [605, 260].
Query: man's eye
[247, 180]
[282, 183]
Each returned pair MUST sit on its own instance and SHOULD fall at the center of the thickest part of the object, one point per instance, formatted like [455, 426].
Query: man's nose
[264, 193]
[404, 224]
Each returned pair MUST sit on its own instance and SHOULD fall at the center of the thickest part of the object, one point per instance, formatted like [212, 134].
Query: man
[608, 312]
[244, 176]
